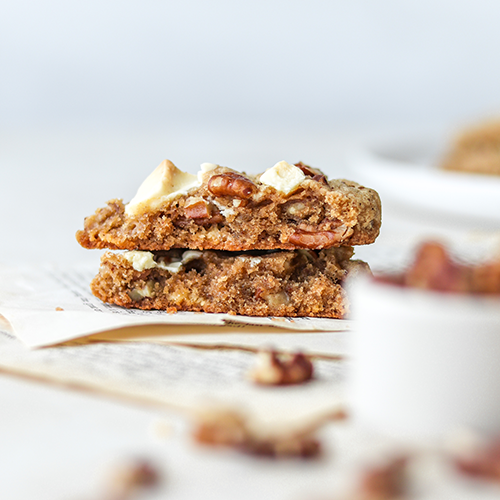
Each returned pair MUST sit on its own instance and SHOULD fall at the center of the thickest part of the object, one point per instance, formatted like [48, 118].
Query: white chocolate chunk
[175, 265]
[165, 183]
[140, 260]
[283, 177]
[190, 255]
[205, 171]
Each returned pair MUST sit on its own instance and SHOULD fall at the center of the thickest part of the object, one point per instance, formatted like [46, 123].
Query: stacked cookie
[274, 244]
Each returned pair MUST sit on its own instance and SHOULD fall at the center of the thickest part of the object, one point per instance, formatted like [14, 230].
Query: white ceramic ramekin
[424, 362]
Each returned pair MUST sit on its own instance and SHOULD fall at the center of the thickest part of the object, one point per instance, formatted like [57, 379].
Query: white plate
[468, 198]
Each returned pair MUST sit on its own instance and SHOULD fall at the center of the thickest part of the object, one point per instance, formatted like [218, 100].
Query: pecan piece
[316, 174]
[208, 221]
[129, 479]
[386, 482]
[311, 172]
[232, 429]
[320, 178]
[481, 461]
[320, 239]
[273, 369]
[231, 184]
[198, 210]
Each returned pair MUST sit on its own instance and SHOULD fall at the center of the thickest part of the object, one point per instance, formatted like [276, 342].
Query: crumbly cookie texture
[258, 283]
[286, 207]
[476, 150]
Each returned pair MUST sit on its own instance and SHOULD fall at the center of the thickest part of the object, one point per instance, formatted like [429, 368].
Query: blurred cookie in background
[476, 150]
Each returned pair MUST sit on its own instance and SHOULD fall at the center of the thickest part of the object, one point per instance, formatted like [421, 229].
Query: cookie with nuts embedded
[286, 207]
[258, 283]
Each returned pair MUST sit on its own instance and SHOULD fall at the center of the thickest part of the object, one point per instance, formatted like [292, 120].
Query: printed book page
[185, 379]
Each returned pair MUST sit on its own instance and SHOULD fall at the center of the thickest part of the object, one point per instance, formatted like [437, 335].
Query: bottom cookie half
[260, 283]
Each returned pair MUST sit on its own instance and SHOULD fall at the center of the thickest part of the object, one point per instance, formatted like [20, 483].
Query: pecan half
[320, 239]
[231, 184]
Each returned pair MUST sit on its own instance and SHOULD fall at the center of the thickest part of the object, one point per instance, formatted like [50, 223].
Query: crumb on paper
[129, 478]
[388, 481]
[281, 369]
[59, 309]
[231, 429]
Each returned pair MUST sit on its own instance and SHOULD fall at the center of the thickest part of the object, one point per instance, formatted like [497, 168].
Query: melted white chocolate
[283, 177]
[164, 184]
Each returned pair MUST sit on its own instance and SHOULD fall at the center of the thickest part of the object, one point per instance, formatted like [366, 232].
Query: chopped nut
[299, 209]
[316, 174]
[311, 172]
[292, 446]
[434, 269]
[59, 309]
[272, 369]
[385, 482]
[128, 478]
[198, 210]
[277, 299]
[482, 462]
[148, 290]
[320, 239]
[225, 428]
[229, 428]
[231, 184]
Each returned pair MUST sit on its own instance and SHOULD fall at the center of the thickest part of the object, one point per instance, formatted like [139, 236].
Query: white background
[359, 63]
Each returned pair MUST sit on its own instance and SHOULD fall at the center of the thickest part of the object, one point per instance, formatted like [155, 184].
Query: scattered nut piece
[225, 428]
[272, 369]
[434, 269]
[130, 478]
[231, 429]
[231, 184]
[482, 462]
[59, 309]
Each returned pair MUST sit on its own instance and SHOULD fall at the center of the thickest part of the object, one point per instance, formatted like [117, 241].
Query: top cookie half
[286, 207]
